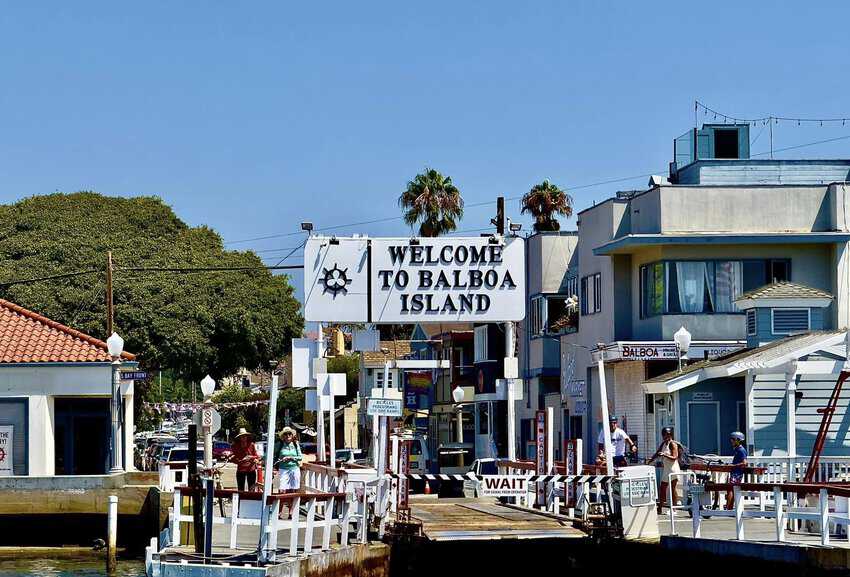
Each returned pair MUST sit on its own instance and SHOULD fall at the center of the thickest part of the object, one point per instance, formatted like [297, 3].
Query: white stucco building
[55, 388]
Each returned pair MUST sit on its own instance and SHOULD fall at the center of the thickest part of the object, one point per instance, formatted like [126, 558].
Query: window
[480, 343]
[483, 418]
[751, 322]
[550, 315]
[379, 378]
[571, 286]
[701, 287]
[726, 143]
[787, 321]
[591, 294]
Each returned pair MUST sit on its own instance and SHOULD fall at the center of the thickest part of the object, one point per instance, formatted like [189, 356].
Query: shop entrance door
[82, 436]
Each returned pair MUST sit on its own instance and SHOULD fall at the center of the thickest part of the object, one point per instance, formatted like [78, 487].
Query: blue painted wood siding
[760, 171]
[728, 392]
[770, 410]
[764, 325]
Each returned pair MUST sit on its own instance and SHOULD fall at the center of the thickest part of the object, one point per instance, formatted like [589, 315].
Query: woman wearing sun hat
[289, 459]
[246, 458]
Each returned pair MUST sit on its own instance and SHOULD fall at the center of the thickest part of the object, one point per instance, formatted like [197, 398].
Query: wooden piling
[112, 535]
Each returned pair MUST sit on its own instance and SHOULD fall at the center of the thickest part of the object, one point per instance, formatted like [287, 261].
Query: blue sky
[252, 116]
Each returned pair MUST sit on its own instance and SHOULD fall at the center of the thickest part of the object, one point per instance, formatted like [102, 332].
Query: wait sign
[503, 486]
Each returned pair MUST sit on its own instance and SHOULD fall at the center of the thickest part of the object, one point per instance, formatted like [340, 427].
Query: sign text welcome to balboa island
[401, 280]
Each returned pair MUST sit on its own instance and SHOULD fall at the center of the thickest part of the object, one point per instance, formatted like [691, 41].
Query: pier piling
[112, 535]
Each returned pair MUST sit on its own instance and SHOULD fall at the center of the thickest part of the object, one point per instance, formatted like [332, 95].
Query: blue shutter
[751, 322]
[787, 321]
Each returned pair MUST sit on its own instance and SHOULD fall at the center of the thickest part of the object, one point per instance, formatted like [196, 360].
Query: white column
[749, 392]
[510, 353]
[320, 414]
[129, 427]
[791, 410]
[332, 432]
[550, 437]
[603, 399]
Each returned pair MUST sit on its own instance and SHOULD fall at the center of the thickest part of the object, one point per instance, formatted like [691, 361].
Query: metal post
[603, 396]
[332, 432]
[510, 353]
[112, 535]
[208, 519]
[115, 411]
[267, 480]
[320, 413]
[550, 440]
[195, 489]
[791, 417]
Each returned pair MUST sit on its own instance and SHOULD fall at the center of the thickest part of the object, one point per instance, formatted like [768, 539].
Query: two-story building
[681, 254]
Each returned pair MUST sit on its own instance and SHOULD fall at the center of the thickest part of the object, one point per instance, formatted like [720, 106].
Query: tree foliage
[433, 202]
[191, 324]
[545, 201]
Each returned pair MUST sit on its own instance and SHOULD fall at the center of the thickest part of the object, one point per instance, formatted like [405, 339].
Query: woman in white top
[668, 451]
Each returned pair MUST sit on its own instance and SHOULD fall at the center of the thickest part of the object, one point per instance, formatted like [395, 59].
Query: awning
[772, 356]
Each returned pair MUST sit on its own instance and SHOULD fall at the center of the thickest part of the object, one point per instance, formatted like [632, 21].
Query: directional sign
[134, 375]
[384, 407]
[208, 417]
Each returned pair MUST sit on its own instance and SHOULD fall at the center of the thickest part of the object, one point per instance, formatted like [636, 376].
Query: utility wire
[50, 277]
[765, 119]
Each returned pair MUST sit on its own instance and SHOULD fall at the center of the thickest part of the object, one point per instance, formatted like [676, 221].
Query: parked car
[221, 450]
[349, 455]
[472, 487]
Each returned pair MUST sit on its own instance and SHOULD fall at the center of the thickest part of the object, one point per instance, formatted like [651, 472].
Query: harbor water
[87, 567]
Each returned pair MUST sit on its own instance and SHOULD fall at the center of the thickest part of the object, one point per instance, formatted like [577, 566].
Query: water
[67, 568]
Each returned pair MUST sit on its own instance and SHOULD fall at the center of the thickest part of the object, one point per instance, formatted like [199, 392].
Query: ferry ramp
[465, 519]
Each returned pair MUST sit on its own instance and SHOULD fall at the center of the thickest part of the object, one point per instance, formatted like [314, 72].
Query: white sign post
[7, 433]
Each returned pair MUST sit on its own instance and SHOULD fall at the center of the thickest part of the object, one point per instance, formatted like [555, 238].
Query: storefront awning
[772, 357]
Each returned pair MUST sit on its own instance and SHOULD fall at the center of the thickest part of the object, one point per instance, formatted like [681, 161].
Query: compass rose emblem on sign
[335, 280]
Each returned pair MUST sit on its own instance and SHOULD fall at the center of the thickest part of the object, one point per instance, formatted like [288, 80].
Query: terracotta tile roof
[28, 337]
[396, 350]
[785, 290]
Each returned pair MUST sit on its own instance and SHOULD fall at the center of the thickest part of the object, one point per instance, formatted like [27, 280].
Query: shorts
[736, 479]
[620, 461]
[289, 479]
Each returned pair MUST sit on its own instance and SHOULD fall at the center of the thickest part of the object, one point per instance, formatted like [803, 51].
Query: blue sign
[134, 375]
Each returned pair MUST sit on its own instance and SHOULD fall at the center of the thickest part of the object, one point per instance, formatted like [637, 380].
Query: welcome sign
[403, 280]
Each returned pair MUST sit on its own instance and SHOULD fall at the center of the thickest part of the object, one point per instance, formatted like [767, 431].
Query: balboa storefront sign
[659, 351]
[391, 280]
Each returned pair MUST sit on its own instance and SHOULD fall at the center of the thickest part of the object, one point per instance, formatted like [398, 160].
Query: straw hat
[242, 432]
[286, 430]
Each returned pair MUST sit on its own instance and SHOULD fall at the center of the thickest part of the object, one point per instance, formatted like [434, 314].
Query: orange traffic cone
[427, 487]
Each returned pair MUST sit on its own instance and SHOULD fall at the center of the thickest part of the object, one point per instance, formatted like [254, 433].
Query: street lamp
[115, 346]
[457, 395]
[682, 338]
[207, 386]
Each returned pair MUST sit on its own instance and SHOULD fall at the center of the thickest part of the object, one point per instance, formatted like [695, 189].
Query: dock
[482, 519]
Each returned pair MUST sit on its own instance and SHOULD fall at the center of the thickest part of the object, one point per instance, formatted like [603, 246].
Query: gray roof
[755, 357]
[785, 290]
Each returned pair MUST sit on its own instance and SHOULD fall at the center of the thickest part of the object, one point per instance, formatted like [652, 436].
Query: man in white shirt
[619, 439]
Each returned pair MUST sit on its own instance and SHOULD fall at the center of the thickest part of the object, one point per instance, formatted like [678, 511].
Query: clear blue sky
[252, 116]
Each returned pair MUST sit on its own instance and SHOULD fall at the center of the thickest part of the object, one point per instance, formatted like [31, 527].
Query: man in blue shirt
[739, 462]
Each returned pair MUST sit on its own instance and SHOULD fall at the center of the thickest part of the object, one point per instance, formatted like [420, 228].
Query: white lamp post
[207, 388]
[457, 395]
[115, 346]
[682, 338]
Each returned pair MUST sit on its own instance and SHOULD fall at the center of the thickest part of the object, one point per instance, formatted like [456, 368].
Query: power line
[837, 138]
[50, 277]
[205, 268]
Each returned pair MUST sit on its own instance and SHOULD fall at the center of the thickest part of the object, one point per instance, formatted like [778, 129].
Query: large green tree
[433, 202]
[190, 323]
[545, 202]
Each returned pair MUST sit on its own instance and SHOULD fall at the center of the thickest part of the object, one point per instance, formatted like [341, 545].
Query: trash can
[635, 493]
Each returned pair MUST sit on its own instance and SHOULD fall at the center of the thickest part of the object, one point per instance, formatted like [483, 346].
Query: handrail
[836, 489]
[322, 468]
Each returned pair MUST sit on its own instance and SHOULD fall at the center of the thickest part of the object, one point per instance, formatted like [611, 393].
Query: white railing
[246, 510]
[831, 509]
[793, 469]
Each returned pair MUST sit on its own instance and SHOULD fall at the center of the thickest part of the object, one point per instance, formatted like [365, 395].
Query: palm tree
[545, 201]
[432, 201]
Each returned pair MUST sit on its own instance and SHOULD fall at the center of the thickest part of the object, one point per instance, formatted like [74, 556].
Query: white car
[471, 487]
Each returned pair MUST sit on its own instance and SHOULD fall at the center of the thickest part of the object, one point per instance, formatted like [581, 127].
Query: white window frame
[480, 343]
[379, 378]
[773, 320]
[755, 322]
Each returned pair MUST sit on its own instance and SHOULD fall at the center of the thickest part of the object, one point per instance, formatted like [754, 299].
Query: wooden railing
[831, 508]
[246, 510]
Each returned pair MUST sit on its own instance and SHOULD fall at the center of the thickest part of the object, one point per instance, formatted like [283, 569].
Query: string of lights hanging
[706, 110]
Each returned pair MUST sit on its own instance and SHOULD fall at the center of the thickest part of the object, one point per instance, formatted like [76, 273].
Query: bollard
[112, 535]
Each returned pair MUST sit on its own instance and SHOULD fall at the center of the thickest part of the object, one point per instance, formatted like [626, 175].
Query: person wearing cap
[289, 459]
[668, 451]
[245, 455]
[739, 462]
[619, 439]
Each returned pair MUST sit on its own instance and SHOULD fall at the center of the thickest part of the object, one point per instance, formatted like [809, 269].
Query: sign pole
[603, 396]
[510, 353]
[267, 479]
[320, 414]
[332, 435]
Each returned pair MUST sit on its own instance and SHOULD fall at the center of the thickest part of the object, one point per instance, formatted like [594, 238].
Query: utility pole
[109, 308]
[499, 221]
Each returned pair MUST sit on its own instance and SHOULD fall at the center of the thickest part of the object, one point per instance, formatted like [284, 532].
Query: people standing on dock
[619, 439]
[739, 463]
[289, 459]
[247, 460]
[668, 451]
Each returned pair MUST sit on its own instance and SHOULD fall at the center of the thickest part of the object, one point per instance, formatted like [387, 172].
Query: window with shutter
[751, 322]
